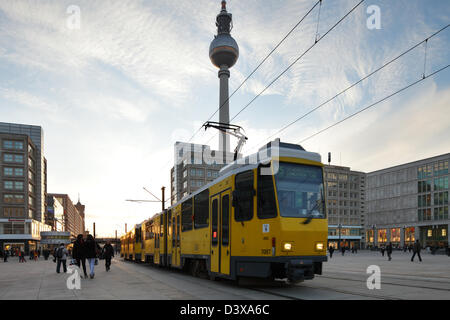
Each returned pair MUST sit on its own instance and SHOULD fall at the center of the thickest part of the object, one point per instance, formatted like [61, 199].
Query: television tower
[224, 53]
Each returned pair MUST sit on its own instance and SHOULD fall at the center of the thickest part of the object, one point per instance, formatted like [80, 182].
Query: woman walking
[92, 249]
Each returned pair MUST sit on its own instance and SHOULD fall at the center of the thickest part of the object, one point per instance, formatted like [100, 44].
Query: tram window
[243, 196]
[186, 215]
[169, 221]
[266, 197]
[138, 235]
[225, 219]
[201, 210]
[214, 220]
[161, 226]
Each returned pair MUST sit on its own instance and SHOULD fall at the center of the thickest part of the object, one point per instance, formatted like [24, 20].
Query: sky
[115, 83]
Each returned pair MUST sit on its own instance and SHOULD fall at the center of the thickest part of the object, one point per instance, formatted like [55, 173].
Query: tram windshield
[300, 190]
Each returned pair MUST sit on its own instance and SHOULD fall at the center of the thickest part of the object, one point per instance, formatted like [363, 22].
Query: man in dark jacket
[416, 249]
[108, 253]
[331, 249]
[389, 250]
[79, 254]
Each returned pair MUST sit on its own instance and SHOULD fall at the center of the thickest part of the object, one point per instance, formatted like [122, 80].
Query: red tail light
[273, 242]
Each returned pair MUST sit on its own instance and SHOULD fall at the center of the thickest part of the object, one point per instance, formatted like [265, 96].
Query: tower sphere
[224, 50]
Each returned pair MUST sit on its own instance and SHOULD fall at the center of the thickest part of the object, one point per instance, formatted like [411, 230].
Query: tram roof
[272, 150]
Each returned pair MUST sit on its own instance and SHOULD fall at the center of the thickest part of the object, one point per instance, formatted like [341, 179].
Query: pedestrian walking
[46, 253]
[79, 253]
[389, 250]
[5, 256]
[35, 255]
[331, 249]
[416, 250]
[343, 250]
[22, 256]
[61, 258]
[108, 253]
[382, 250]
[92, 250]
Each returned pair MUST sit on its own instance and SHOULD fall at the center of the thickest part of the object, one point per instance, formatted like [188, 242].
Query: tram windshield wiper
[310, 214]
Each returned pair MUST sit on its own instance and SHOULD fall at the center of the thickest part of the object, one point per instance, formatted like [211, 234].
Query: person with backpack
[92, 250]
[108, 253]
[61, 257]
[79, 253]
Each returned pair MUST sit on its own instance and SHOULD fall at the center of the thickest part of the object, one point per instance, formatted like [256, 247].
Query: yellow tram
[264, 216]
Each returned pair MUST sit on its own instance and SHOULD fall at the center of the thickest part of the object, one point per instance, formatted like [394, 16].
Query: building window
[192, 172]
[8, 185]
[18, 145]
[13, 212]
[13, 198]
[8, 157]
[8, 171]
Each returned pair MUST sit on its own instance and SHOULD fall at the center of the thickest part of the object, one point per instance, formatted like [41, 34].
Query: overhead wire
[352, 85]
[376, 103]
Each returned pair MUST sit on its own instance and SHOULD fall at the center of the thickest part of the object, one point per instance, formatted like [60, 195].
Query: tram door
[220, 226]
[176, 239]
[156, 257]
[225, 233]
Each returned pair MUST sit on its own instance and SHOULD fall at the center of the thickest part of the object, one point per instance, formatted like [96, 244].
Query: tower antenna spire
[224, 52]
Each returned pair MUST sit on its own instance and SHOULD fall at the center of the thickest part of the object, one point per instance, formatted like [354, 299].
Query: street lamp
[339, 243]
[373, 234]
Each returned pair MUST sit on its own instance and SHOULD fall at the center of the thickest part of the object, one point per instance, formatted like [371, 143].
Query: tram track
[390, 283]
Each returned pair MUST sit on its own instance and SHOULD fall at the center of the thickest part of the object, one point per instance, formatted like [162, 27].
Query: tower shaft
[224, 112]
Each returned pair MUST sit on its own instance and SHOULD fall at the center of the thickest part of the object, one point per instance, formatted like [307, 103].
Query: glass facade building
[409, 202]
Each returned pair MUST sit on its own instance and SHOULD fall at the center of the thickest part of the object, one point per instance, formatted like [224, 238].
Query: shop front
[344, 236]
[434, 236]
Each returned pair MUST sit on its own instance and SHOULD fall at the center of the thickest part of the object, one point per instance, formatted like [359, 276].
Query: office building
[409, 202]
[345, 195]
[195, 165]
[73, 220]
[23, 186]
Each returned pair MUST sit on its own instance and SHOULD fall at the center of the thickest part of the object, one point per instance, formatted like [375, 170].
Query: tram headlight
[319, 246]
[287, 246]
